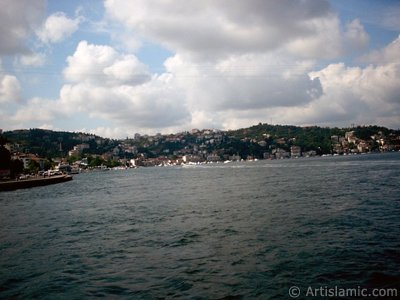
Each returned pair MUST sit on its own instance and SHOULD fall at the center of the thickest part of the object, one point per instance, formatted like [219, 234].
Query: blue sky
[118, 67]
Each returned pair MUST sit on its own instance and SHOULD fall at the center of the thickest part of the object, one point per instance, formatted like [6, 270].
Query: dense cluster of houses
[351, 144]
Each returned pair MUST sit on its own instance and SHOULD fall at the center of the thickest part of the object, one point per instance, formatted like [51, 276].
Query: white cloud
[38, 110]
[240, 64]
[107, 131]
[47, 126]
[326, 40]
[100, 64]
[17, 20]
[214, 28]
[10, 88]
[244, 82]
[360, 95]
[116, 87]
[369, 95]
[57, 28]
[389, 54]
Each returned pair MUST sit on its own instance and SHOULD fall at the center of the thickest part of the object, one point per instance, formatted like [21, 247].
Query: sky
[116, 67]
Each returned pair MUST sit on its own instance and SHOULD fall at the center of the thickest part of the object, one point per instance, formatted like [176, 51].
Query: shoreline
[34, 182]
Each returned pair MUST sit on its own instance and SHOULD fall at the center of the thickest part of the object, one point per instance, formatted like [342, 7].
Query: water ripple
[232, 231]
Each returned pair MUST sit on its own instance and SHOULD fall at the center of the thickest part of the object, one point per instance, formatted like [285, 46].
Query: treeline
[50, 144]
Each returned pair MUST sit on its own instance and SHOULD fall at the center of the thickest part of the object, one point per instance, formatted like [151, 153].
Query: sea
[270, 229]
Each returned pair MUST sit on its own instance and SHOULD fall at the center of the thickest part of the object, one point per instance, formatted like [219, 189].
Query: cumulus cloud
[10, 88]
[214, 28]
[117, 87]
[240, 64]
[36, 111]
[361, 95]
[387, 55]
[18, 19]
[57, 27]
[364, 95]
[101, 64]
[244, 82]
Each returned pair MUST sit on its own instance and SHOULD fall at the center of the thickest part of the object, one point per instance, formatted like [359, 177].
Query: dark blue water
[244, 230]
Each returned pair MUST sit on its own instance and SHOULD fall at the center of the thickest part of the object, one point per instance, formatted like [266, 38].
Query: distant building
[84, 162]
[235, 157]
[350, 137]
[266, 155]
[213, 158]
[191, 158]
[280, 153]
[338, 148]
[281, 141]
[27, 158]
[310, 153]
[73, 152]
[77, 150]
[362, 147]
[295, 151]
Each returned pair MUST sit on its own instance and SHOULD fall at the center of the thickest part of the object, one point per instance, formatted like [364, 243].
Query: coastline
[29, 183]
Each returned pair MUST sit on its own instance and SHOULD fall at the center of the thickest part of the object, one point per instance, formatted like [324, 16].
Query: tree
[5, 158]
[3, 140]
[48, 164]
[97, 161]
[16, 168]
[72, 159]
[112, 163]
[33, 166]
[5, 161]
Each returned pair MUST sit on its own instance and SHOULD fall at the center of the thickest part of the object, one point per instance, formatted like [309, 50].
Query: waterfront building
[295, 151]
